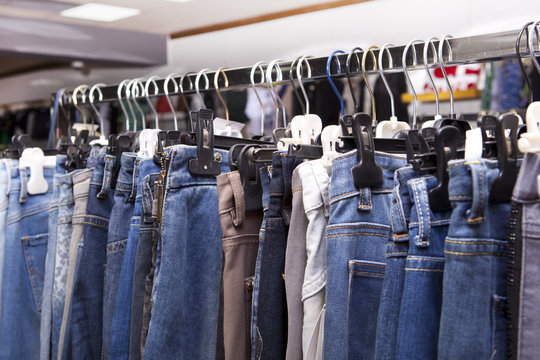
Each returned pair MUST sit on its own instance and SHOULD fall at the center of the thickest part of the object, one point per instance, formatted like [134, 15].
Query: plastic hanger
[330, 141]
[34, 159]
[228, 131]
[148, 138]
[387, 129]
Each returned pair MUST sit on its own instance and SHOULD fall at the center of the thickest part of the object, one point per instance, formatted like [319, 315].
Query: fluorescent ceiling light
[100, 12]
[180, 1]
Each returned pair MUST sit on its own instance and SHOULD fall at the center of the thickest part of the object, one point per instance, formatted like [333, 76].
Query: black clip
[118, 144]
[488, 125]
[501, 190]
[249, 174]
[205, 163]
[416, 145]
[366, 173]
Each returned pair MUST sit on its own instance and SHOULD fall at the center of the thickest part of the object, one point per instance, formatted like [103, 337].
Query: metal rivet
[218, 157]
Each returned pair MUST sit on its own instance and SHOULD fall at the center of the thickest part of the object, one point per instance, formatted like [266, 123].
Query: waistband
[526, 189]
[265, 174]
[401, 204]
[128, 172]
[81, 180]
[178, 174]
[315, 182]
[102, 174]
[280, 186]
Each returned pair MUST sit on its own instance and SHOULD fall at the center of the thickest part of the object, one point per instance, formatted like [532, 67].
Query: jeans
[24, 266]
[122, 210]
[240, 243]
[186, 289]
[316, 198]
[5, 168]
[419, 317]
[265, 174]
[523, 267]
[295, 265]
[356, 237]
[143, 263]
[272, 306]
[87, 300]
[473, 322]
[122, 312]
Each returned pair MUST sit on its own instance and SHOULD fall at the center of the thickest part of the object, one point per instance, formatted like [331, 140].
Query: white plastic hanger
[148, 138]
[33, 158]
[329, 140]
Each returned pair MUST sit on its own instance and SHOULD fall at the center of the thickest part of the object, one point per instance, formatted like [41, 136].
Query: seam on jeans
[97, 217]
[424, 270]
[400, 235]
[459, 196]
[116, 251]
[434, 222]
[474, 253]
[364, 262]
[344, 194]
[420, 212]
[11, 221]
[466, 163]
[381, 189]
[226, 211]
[33, 272]
[241, 245]
[357, 233]
[480, 218]
[331, 227]
[94, 224]
[273, 227]
[397, 253]
[425, 258]
[367, 273]
[475, 242]
[296, 189]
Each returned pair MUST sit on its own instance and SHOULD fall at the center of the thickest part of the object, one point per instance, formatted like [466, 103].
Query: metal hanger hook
[181, 86]
[91, 100]
[369, 50]
[273, 93]
[295, 90]
[299, 71]
[524, 29]
[329, 76]
[427, 45]
[80, 89]
[137, 91]
[218, 72]
[404, 63]
[258, 66]
[445, 40]
[119, 95]
[530, 40]
[206, 87]
[152, 80]
[169, 78]
[354, 52]
[384, 49]
[128, 92]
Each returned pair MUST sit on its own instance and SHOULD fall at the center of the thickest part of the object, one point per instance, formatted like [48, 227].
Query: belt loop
[239, 213]
[418, 188]
[135, 180]
[480, 193]
[107, 177]
[24, 180]
[8, 169]
[400, 229]
[364, 199]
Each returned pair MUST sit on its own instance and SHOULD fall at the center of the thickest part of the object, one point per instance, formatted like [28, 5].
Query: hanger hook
[369, 50]
[427, 45]
[329, 76]
[530, 40]
[384, 49]
[299, 71]
[181, 86]
[152, 80]
[171, 77]
[295, 90]
[91, 100]
[445, 40]
[258, 66]
[354, 52]
[135, 93]
[524, 29]
[207, 85]
[404, 62]
[219, 71]
[82, 89]
[122, 106]
[128, 92]
[273, 93]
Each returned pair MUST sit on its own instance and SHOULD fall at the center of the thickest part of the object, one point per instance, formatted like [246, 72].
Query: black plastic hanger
[366, 173]
[205, 163]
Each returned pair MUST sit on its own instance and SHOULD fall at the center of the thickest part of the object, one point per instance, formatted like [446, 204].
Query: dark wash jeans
[272, 304]
[419, 317]
[186, 290]
[87, 300]
[397, 248]
[473, 322]
[357, 234]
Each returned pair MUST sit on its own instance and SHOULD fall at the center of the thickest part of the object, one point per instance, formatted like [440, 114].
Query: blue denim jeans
[265, 176]
[143, 263]
[87, 300]
[418, 329]
[119, 224]
[24, 267]
[473, 324]
[5, 168]
[357, 233]
[272, 306]
[122, 311]
[397, 248]
[186, 290]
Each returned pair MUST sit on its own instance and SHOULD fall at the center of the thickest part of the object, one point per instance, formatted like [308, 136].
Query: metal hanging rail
[470, 49]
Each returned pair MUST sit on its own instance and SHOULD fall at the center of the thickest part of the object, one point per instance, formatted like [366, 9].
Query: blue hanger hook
[329, 75]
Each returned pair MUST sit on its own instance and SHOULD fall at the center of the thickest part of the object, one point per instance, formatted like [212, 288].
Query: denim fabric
[474, 298]
[240, 243]
[122, 311]
[48, 281]
[526, 318]
[356, 236]
[420, 313]
[122, 210]
[295, 265]
[87, 300]
[143, 263]
[272, 306]
[5, 167]
[186, 289]
[265, 176]
[316, 197]
[24, 267]
[396, 253]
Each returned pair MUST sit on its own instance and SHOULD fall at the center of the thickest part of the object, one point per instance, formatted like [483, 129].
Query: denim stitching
[367, 273]
[332, 227]
[420, 213]
[475, 242]
[424, 270]
[353, 234]
[474, 253]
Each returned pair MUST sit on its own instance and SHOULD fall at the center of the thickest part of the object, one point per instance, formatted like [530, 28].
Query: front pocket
[35, 252]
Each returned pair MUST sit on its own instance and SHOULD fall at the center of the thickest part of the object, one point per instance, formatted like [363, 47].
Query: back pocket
[35, 252]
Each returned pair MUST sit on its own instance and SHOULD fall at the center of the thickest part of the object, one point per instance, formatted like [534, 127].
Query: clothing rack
[470, 49]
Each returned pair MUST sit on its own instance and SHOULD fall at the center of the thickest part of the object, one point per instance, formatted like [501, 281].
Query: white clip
[430, 123]
[329, 140]
[473, 144]
[229, 131]
[102, 141]
[148, 139]
[387, 129]
[530, 141]
[304, 129]
[34, 159]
